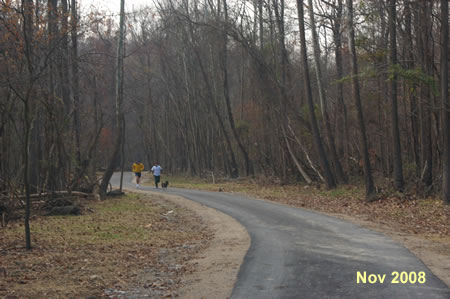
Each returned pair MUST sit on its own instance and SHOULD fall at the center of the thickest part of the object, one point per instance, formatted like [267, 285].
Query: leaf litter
[134, 246]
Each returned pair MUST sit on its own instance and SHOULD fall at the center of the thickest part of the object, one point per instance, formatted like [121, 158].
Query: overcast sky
[114, 5]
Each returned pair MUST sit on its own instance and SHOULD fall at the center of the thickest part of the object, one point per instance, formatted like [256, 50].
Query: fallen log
[48, 194]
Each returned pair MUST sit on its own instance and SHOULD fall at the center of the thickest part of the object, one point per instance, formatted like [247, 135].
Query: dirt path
[217, 267]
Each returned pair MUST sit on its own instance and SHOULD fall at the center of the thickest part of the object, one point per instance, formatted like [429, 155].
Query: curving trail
[296, 253]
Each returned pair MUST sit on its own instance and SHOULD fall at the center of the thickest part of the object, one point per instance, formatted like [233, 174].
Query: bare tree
[224, 64]
[75, 81]
[445, 103]
[370, 189]
[118, 105]
[342, 134]
[398, 168]
[412, 86]
[329, 180]
[323, 100]
[191, 69]
[422, 16]
[28, 110]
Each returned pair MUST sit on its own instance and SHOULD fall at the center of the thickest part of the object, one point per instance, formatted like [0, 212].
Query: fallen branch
[47, 194]
[306, 153]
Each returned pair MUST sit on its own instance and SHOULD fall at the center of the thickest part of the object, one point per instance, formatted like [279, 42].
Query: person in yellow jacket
[138, 167]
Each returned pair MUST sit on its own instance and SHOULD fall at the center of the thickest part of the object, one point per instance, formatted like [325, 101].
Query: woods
[316, 91]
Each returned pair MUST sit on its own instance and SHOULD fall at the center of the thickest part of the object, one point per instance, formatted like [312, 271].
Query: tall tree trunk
[445, 103]
[329, 180]
[343, 120]
[261, 24]
[28, 128]
[279, 15]
[119, 101]
[370, 189]
[234, 173]
[422, 27]
[97, 126]
[383, 65]
[193, 124]
[248, 162]
[340, 176]
[75, 81]
[65, 162]
[52, 176]
[148, 117]
[397, 158]
[122, 154]
[381, 127]
[64, 59]
[28, 8]
[411, 95]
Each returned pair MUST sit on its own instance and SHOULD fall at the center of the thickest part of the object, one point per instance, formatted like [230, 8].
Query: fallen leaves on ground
[129, 246]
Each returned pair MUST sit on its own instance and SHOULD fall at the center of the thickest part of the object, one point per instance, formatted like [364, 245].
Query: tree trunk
[119, 101]
[445, 103]
[122, 155]
[193, 124]
[213, 104]
[370, 189]
[52, 175]
[98, 124]
[261, 24]
[343, 123]
[28, 127]
[75, 81]
[411, 94]
[422, 27]
[397, 158]
[383, 65]
[340, 176]
[28, 111]
[279, 15]
[329, 180]
[224, 61]
[64, 59]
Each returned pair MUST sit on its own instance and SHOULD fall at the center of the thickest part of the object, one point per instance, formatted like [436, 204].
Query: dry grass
[125, 244]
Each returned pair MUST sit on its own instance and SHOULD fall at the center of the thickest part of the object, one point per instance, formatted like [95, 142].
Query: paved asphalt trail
[296, 253]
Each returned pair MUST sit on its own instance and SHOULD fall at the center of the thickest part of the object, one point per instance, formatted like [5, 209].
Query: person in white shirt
[156, 169]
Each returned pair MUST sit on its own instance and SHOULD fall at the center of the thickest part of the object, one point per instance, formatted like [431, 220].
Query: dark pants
[157, 180]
